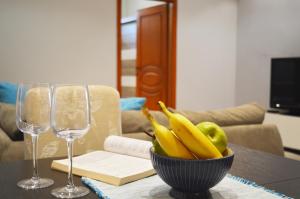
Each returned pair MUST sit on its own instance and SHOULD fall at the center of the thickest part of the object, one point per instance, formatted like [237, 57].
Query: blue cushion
[8, 92]
[132, 103]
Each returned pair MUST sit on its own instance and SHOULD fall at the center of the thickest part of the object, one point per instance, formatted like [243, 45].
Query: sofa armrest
[4, 141]
[14, 151]
[10, 150]
[263, 137]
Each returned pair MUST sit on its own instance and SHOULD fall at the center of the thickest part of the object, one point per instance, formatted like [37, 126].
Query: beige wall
[58, 41]
[266, 29]
[206, 54]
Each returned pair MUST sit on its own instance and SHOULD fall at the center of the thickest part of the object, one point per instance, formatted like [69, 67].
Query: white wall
[266, 29]
[75, 41]
[206, 54]
[58, 41]
[130, 7]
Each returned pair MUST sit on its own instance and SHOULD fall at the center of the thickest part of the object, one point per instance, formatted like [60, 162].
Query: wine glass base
[35, 184]
[65, 192]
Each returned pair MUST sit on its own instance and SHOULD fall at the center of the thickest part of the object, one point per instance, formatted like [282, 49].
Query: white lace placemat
[231, 187]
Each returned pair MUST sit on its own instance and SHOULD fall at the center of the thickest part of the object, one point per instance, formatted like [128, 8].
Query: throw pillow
[8, 92]
[132, 103]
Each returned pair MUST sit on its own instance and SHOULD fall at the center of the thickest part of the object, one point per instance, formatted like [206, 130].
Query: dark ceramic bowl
[191, 176]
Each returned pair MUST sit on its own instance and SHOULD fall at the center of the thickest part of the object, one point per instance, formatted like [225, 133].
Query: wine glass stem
[35, 176]
[70, 184]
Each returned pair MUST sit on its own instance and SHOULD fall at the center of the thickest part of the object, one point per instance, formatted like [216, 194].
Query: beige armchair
[105, 120]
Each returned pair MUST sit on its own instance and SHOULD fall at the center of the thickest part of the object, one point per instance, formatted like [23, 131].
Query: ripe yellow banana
[168, 140]
[190, 135]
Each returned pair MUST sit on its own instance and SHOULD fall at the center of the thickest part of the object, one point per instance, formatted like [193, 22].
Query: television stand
[288, 126]
[295, 112]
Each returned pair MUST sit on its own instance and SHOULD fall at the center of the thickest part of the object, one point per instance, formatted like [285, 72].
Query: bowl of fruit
[190, 158]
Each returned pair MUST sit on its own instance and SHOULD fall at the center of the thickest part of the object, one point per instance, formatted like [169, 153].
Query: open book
[123, 160]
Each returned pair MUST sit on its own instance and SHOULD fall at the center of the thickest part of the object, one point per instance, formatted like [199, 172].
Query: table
[273, 172]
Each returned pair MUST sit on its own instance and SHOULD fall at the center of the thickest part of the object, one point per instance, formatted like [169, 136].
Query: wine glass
[33, 117]
[70, 119]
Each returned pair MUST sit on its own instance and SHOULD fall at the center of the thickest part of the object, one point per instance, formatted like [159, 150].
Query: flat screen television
[285, 84]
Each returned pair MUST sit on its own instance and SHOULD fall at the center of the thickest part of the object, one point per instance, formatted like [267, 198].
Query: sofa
[105, 121]
[243, 125]
[11, 139]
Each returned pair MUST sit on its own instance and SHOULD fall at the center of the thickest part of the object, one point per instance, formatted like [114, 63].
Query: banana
[190, 135]
[167, 140]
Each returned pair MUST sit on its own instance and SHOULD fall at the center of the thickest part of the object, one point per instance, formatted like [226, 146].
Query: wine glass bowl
[70, 119]
[33, 117]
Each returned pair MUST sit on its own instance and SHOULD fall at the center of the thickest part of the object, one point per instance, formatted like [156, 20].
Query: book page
[109, 164]
[128, 146]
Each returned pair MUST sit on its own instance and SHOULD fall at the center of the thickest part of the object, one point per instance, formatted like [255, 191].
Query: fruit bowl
[191, 176]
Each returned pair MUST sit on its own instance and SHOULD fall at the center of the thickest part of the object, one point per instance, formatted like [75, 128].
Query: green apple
[215, 134]
[157, 148]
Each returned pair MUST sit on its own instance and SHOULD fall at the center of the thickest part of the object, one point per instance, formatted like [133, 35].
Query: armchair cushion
[105, 121]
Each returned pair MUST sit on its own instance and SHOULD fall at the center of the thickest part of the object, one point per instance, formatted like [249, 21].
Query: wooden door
[152, 55]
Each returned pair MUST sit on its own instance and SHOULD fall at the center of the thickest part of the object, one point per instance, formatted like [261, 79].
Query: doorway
[147, 50]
